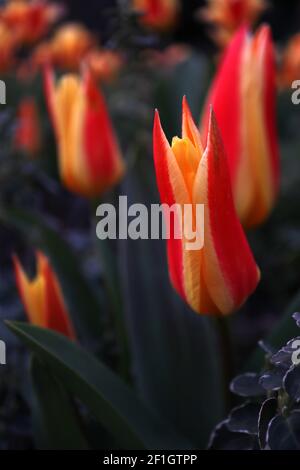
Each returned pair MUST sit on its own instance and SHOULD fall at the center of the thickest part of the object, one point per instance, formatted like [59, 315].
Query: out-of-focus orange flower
[42, 297]
[42, 54]
[69, 46]
[7, 48]
[290, 62]
[219, 277]
[90, 161]
[157, 14]
[105, 65]
[28, 132]
[29, 20]
[228, 15]
[243, 97]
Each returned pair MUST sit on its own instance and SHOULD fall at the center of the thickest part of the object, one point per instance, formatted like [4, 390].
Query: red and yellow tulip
[157, 14]
[90, 161]
[29, 20]
[8, 48]
[219, 277]
[228, 15]
[290, 62]
[69, 46]
[42, 297]
[243, 98]
[104, 65]
[28, 132]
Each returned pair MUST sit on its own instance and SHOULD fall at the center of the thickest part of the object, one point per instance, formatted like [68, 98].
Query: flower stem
[226, 354]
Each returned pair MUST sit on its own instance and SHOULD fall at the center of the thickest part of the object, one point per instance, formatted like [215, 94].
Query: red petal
[174, 246]
[270, 101]
[57, 317]
[101, 148]
[225, 98]
[233, 253]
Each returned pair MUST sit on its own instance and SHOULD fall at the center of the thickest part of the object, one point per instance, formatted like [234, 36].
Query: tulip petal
[225, 99]
[189, 128]
[269, 99]
[174, 246]
[259, 133]
[56, 315]
[229, 270]
[31, 293]
[104, 161]
[184, 265]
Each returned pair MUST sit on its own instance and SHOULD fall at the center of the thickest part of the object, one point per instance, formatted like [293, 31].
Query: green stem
[226, 353]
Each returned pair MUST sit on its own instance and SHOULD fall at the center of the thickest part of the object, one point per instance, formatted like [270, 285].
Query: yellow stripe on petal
[70, 101]
[33, 295]
[218, 296]
[183, 161]
[254, 183]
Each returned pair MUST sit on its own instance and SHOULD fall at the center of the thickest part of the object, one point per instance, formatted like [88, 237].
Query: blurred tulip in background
[90, 161]
[243, 98]
[29, 21]
[290, 62]
[42, 297]
[157, 14]
[226, 16]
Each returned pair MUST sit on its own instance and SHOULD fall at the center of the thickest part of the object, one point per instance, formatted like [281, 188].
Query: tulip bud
[157, 14]
[29, 21]
[42, 297]
[219, 277]
[90, 161]
[227, 16]
[69, 46]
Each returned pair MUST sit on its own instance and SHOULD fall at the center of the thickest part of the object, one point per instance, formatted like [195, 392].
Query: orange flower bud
[219, 277]
[243, 97]
[104, 64]
[29, 21]
[90, 161]
[42, 297]
[290, 63]
[28, 132]
[157, 14]
[69, 45]
[228, 15]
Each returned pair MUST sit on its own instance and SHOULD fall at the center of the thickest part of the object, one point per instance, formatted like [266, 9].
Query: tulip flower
[7, 50]
[42, 297]
[290, 62]
[69, 46]
[228, 15]
[29, 20]
[28, 132]
[218, 278]
[243, 98]
[104, 65]
[157, 14]
[90, 161]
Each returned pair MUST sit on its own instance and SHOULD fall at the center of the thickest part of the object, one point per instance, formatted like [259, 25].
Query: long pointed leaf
[110, 400]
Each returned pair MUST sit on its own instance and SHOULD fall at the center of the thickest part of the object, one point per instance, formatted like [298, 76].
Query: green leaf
[111, 401]
[84, 305]
[284, 330]
[54, 411]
